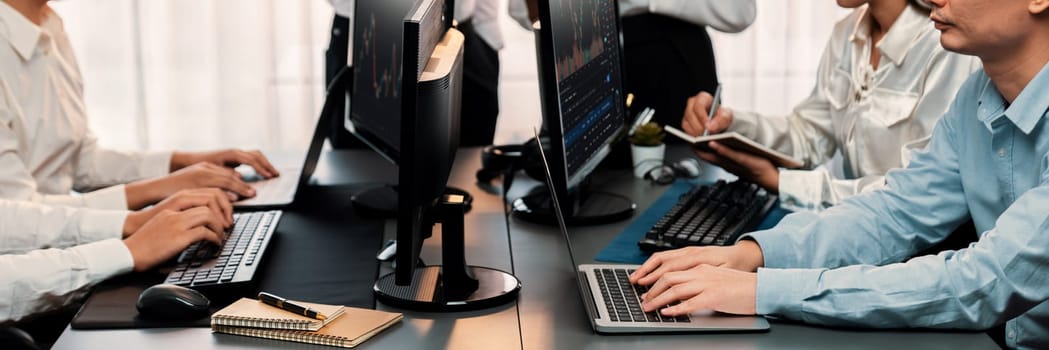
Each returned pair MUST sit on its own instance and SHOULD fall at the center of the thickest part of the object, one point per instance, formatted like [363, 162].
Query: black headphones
[498, 160]
[508, 159]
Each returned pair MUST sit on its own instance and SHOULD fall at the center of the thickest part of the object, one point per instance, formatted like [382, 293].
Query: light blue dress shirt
[988, 161]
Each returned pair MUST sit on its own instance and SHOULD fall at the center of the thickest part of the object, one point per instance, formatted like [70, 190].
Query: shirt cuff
[97, 225]
[745, 123]
[112, 198]
[782, 292]
[772, 243]
[155, 164]
[105, 259]
[802, 190]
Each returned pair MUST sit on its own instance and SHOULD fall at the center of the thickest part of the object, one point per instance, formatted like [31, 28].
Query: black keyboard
[623, 300]
[709, 215]
[204, 264]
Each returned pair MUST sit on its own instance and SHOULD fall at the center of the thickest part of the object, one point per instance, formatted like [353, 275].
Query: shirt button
[1001, 152]
[1011, 334]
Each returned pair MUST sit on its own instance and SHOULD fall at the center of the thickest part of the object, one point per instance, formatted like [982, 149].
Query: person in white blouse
[668, 54]
[51, 255]
[882, 84]
[46, 147]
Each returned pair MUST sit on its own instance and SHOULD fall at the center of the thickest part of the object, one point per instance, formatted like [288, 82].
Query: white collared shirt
[875, 117]
[51, 255]
[46, 148]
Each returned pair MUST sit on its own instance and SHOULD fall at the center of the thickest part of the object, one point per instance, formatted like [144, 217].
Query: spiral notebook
[350, 328]
[253, 313]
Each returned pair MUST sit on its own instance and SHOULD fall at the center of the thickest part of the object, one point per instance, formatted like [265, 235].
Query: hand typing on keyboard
[703, 287]
[744, 256]
[231, 261]
[211, 198]
[168, 233]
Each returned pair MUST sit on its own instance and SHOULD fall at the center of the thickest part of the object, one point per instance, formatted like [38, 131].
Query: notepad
[253, 313]
[350, 329]
[739, 142]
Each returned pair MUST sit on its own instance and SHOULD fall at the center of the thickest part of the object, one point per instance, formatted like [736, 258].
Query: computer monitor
[427, 141]
[581, 85]
[383, 87]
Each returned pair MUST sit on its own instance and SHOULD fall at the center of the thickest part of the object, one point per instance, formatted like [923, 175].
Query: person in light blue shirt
[988, 160]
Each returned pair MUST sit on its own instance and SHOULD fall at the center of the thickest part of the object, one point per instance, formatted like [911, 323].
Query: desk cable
[508, 180]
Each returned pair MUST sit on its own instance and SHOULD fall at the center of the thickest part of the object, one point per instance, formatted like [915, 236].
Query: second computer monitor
[581, 83]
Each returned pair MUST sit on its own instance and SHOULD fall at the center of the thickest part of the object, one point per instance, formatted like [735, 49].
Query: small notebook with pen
[344, 326]
[253, 313]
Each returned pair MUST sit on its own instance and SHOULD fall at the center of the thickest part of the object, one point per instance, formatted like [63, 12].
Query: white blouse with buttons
[873, 116]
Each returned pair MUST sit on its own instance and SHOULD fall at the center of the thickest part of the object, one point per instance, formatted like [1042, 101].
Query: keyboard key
[205, 263]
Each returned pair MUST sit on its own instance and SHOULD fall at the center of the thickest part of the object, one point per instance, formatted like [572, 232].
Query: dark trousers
[667, 61]
[480, 102]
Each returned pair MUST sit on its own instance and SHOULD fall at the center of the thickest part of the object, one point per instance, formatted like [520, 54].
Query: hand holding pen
[699, 118]
[285, 304]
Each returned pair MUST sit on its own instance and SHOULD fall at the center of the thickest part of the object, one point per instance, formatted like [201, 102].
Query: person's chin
[951, 44]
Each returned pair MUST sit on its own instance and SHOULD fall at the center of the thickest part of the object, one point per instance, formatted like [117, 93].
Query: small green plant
[648, 134]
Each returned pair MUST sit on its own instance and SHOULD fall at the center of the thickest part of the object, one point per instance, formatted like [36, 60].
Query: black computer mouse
[171, 302]
[14, 338]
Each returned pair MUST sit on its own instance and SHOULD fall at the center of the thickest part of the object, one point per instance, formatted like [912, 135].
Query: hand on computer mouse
[227, 158]
[171, 302]
[200, 175]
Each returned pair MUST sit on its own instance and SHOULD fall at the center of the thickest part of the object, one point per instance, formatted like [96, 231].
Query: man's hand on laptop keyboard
[230, 158]
[745, 256]
[703, 287]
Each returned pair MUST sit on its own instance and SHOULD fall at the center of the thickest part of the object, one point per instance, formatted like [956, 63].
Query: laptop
[280, 191]
[613, 305]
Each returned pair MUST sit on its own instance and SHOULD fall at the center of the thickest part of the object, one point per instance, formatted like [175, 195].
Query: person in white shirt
[46, 147]
[51, 255]
[883, 82]
[668, 54]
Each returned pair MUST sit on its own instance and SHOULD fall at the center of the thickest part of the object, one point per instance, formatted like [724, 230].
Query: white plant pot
[646, 158]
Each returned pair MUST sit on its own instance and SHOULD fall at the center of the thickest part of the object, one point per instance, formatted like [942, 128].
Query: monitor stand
[381, 201]
[454, 286]
[584, 207]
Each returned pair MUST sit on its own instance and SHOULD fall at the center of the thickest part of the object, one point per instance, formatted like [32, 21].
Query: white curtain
[203, 74]
[771, 66]
[200, 74]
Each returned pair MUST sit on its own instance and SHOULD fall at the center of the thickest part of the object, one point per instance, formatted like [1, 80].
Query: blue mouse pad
[624, 248]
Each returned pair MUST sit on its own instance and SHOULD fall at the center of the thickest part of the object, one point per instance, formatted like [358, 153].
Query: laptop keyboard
[623, 300]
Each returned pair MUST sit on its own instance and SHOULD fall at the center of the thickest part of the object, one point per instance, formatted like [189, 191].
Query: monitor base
[429, 292]
[593, 208]
[381, 201]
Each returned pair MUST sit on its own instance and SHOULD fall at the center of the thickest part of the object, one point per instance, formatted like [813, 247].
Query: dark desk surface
[547, 315]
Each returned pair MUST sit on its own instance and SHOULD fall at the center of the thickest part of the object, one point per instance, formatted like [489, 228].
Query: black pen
[285, 304]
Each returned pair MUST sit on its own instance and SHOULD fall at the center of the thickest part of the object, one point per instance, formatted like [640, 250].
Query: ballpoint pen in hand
[285, 304]
[713, 109]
